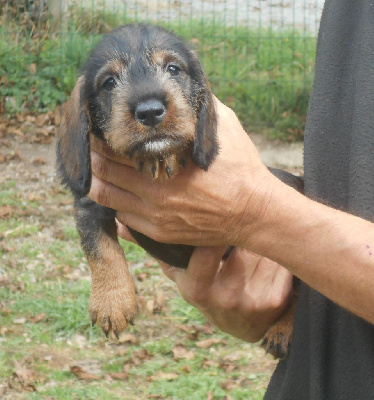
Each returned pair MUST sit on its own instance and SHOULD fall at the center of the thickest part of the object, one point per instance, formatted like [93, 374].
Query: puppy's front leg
[112, 303]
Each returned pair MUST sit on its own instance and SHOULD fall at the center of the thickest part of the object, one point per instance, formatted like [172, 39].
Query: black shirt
[332, 351]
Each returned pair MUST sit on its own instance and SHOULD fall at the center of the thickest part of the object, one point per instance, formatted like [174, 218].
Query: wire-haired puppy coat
[143, 91]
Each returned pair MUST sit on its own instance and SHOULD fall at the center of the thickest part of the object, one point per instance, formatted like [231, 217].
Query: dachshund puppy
[143, 91]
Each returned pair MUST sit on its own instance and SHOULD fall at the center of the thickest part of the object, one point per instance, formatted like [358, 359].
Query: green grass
[43, 272]
[265, 75]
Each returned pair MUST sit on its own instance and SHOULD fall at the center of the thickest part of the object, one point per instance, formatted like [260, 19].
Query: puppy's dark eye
[109, 84]
[173, 69]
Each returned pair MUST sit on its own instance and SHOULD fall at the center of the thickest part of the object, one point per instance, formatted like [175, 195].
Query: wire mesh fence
[258, 54]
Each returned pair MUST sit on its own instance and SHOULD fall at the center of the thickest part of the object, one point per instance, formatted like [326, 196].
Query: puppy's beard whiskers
[157, 146]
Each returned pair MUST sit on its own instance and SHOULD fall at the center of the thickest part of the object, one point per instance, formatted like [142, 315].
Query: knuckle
[100, 166]
[229, 301]
[101, 194]
[277, 301]
[196, 295]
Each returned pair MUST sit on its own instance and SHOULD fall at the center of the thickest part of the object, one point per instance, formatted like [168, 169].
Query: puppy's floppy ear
[73, 147]
[206, 142]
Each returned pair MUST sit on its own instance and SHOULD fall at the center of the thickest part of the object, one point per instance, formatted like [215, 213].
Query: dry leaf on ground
[164, 376]
[182, 353]
[6, 211]
[37, 318]
[127, 338]
[82, 373]
[203, 344]
[121, 376]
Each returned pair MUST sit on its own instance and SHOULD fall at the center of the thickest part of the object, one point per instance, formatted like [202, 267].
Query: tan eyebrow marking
[113, 66]
[164, 57]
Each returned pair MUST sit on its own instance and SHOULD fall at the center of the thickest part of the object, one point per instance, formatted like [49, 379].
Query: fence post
[58, 11]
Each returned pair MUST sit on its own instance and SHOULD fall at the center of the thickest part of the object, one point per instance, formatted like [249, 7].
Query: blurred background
[258, 54]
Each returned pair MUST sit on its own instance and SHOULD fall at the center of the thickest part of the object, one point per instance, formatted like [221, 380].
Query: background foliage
[263, 70]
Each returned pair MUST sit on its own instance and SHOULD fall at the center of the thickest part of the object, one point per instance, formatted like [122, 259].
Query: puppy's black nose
[150, 112]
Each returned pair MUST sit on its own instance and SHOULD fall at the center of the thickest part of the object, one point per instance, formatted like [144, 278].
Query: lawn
[48, 348]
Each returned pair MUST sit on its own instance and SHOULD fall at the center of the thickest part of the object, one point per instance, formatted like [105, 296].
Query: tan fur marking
[112, 67]
[277, 339]
[179, 124]
[164, 57]
[113, 302]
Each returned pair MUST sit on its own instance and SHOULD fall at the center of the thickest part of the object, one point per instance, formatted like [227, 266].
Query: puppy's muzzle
[150, 112]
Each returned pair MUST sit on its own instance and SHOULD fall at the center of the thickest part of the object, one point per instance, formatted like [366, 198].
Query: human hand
[195, 207]
[243, 296]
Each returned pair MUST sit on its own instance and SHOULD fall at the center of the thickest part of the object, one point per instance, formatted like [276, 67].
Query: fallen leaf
[139, 356]
[228, 368]
[23, 374]
[164, 376]
[182, 353]
[150, 306]
[6, 211]
[206, 329]
[229, 384]
[210, 364]
[119, 375]
[193, 334]
[160, 300]
[57, 116]
[15, 156]
[41, 119]
[34, 197]
[81, 373]
[186, 369]
[126, 338]
[203, 344]
[39, 161]
[16, 287]
[37, 318]
[142, 276]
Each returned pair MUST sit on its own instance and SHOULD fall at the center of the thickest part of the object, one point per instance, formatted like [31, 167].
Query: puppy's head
[144, 92]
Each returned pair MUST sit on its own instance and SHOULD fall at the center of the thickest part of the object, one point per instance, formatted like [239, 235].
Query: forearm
[333, 252]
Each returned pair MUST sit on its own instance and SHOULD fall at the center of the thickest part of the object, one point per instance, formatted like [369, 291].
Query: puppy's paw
[277, 342]
[165, 168]
[149, 167]
[170, 166]
[113, 309]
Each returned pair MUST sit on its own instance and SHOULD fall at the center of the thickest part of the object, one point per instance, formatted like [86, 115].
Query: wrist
[257, 211]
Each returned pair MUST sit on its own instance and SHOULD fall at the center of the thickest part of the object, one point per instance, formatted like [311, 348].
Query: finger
[205, 263]
[284, 279]
[118, 174]
[240, 258]
[265, 271]
[138, 220]
[103, 148]
[171, 272]
[108, 195]
[124, 233]
[159, 232]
